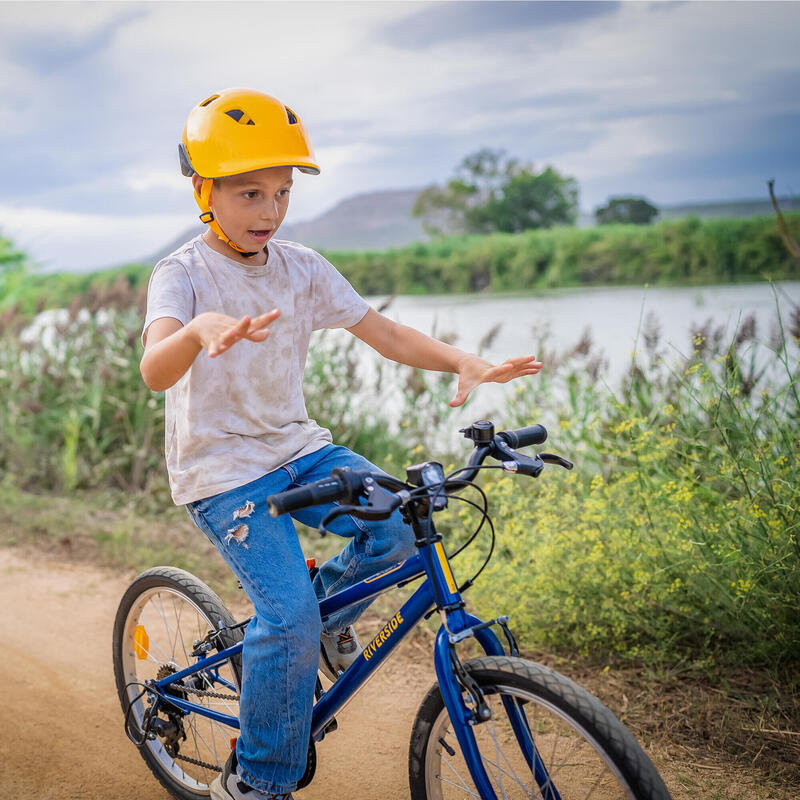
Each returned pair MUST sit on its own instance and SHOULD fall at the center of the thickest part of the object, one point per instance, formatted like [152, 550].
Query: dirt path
[61, 734]
[61, 731]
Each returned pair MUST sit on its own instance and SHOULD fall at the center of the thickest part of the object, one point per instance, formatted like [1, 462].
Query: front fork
[449, 673]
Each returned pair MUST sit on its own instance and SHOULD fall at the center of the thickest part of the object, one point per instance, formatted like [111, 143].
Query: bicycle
[495, 726]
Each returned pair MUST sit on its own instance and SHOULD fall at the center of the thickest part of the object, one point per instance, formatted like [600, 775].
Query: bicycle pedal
[331, 726]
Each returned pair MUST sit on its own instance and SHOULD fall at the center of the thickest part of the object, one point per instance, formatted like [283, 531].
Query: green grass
[674, 540]
[680, 252]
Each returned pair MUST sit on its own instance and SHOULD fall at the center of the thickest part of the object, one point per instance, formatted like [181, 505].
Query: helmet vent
[240, 116]
[291, 115]
[210, 100]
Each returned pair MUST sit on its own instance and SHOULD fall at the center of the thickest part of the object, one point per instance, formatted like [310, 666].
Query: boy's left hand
[473, 370]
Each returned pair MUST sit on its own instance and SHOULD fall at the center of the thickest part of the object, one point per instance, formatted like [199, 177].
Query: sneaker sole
[217, 790]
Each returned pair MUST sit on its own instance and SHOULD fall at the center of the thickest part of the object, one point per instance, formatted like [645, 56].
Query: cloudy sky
[685, 101]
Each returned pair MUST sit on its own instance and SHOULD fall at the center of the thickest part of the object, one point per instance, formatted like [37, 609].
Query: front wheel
[565, 745]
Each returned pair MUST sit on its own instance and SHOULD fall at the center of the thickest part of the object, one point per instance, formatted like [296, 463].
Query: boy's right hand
[219, 332]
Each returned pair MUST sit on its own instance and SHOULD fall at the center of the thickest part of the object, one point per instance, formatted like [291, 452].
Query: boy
[237, 429]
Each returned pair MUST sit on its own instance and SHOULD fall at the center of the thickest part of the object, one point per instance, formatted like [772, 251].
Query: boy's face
[250, 207]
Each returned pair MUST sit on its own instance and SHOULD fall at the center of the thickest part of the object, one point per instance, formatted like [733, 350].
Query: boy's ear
[197, 182]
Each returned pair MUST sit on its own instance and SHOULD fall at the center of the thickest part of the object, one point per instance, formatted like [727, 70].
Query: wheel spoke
[497, 751]
[178, 612]
[455, 772]
[226, 704]
[462, 786]
[553, 772]
[214, 739]
[502, 753]
[149, 655]
[513, 776]
[166, 626]
[195, 734]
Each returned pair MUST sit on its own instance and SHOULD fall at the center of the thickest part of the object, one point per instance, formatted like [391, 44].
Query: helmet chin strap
[203, 200]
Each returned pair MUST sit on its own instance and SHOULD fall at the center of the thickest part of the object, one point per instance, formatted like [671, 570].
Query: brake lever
[380, 505]
[332, 515]
[517, 462]
[551, 458]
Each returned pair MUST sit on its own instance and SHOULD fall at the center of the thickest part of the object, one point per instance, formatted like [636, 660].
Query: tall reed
[678, 536]
[675, 537]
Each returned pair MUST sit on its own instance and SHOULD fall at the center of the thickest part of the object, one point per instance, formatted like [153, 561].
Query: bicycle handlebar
[533, 434]
[346, 484]
[325, 491]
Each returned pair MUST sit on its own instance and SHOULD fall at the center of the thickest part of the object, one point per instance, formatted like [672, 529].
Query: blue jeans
[281, 644]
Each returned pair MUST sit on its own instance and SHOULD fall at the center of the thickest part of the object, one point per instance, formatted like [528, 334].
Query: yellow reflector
[141, 642]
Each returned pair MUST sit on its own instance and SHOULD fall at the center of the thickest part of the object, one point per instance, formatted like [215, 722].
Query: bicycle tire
[603, 760]
[160, 616]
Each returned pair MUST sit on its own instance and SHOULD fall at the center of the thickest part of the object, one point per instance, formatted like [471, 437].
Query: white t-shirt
[236, 417]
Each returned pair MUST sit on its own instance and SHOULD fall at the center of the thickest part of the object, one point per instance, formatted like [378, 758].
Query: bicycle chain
[203, 693]
[198, 763]
[207, 693]
[170, 669]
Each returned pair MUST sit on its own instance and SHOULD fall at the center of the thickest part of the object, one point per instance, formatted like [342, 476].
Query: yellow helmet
[240, 130]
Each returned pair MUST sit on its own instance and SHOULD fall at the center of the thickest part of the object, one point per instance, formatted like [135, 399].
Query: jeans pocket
[195, 513]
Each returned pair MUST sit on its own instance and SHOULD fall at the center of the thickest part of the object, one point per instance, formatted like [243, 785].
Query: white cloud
[599, 99]
[620, 145]
[147, 179]
[80, 242]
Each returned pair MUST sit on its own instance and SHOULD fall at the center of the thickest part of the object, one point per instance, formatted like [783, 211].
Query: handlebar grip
[533, 434]
[325, 491]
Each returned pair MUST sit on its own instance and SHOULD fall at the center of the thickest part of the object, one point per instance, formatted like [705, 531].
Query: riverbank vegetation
[673, 547]
[675, 253]
[675, 538]
[681, 534]
[683, 252]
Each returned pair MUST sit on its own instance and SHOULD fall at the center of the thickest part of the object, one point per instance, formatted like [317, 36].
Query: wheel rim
[173, 622]
[576, 765]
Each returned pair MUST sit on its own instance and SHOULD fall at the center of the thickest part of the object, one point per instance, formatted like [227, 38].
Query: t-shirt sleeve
[336, 303]
[169, 294]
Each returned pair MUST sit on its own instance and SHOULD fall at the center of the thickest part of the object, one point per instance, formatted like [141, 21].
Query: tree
[10, 258]
[13, 274]
[635, 210]
[490, 192]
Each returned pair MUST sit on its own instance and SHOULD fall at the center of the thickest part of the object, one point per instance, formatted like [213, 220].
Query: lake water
[614, 317]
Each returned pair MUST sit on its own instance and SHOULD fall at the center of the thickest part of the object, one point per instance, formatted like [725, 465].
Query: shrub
[677, 538]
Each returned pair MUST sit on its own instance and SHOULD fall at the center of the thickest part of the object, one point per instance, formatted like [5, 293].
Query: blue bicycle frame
[438, 590]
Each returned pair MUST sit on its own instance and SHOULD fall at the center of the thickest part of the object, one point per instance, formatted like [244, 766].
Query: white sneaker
[228, 786]
[338, 651]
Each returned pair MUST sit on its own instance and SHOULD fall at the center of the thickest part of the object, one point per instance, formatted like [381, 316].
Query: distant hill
[372, 221]
[379, 220]
[733, 208]
[737, 208]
